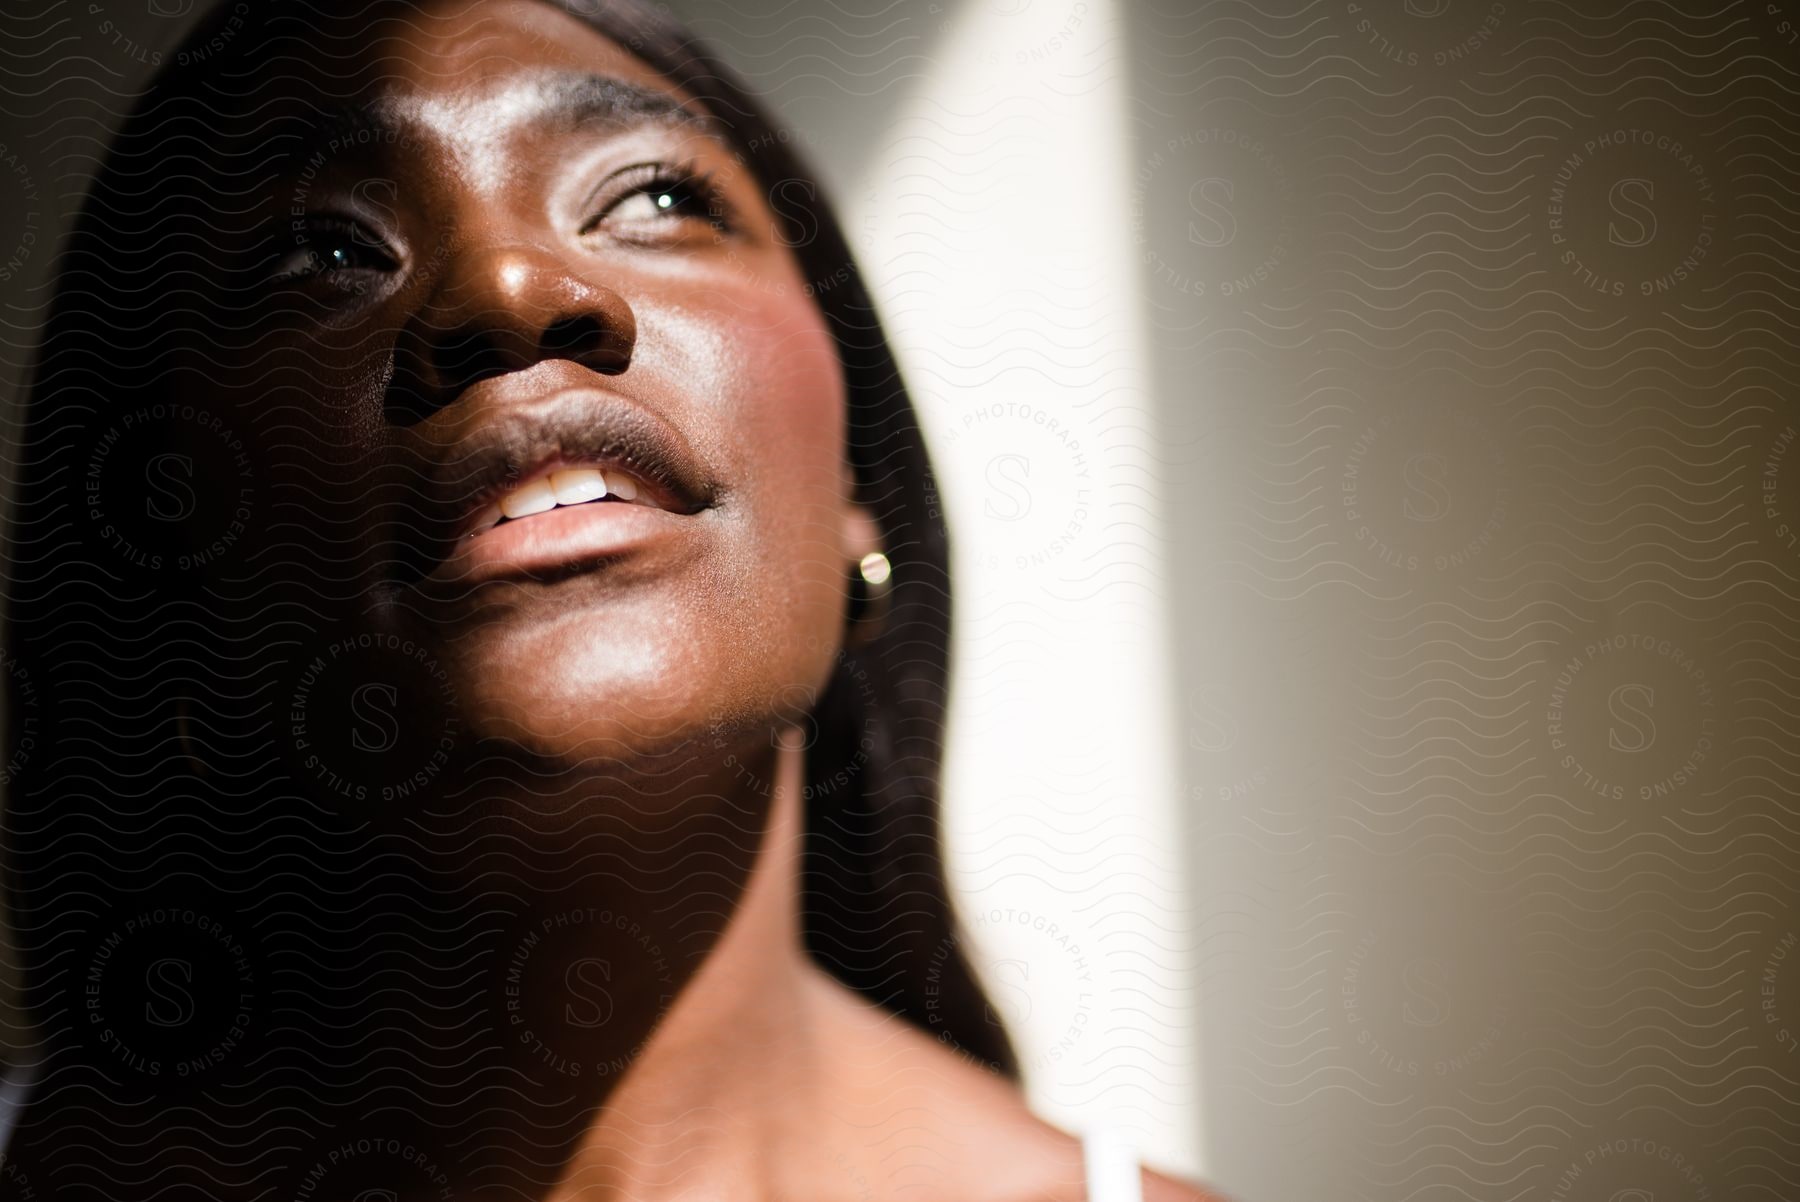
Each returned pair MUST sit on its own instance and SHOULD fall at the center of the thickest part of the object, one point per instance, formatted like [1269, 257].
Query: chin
[610, 686]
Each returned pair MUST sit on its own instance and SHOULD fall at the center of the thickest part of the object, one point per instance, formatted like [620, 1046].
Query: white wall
[984, 168]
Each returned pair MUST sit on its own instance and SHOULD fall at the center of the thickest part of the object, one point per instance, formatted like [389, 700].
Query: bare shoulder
[969, 1131]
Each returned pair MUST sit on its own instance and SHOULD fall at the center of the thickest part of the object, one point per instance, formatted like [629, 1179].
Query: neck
[702, 1109]
[645, 934]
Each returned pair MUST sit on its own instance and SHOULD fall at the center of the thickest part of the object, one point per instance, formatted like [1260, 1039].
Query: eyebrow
[570, 100]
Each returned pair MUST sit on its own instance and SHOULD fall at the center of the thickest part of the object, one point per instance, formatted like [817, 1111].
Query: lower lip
[558, 539]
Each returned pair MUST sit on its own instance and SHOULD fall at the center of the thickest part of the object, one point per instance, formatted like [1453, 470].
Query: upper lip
[580, 425]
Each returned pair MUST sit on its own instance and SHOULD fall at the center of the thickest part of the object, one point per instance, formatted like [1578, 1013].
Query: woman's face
[523, 266]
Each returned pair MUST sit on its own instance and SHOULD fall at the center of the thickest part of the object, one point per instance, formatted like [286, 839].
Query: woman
[479, 623]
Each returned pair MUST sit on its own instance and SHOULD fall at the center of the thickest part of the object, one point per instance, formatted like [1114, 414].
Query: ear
[859, 534]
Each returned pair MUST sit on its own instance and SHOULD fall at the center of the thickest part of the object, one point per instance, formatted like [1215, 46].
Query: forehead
[467, 71]
[440, 46]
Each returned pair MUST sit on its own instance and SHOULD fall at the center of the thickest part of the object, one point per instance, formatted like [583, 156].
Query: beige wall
[1477, 325]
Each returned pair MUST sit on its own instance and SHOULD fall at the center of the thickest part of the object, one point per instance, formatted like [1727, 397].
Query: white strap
[1112, 1167]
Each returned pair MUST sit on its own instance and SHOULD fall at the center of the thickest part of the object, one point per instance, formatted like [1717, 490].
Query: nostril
[588, 341]
[433, 365]
[429, 372]
[406, 401]
[569, 337]
[462, 358]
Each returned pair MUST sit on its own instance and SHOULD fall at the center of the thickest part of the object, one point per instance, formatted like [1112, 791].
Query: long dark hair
[106, 813]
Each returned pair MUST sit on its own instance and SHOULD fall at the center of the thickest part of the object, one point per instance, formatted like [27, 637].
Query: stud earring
[871, 591]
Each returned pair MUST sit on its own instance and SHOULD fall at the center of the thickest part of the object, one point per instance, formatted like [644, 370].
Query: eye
[330, 247]
[674, 199]
[656, 201]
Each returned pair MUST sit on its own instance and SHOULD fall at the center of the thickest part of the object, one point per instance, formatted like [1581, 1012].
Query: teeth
[578, 484]
[535, 496]
[565, 486]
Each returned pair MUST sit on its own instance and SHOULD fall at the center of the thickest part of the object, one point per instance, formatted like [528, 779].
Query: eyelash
[689, 187]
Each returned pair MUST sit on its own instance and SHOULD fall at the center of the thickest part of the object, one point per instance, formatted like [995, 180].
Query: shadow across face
[487, 512]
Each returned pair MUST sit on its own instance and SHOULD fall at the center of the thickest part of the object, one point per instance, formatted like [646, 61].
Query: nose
[499, 309]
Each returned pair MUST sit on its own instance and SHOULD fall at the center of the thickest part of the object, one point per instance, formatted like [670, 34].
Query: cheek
[317, 398]
[760, 377]
[795, 398]
[309, 413]
[773, 414]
